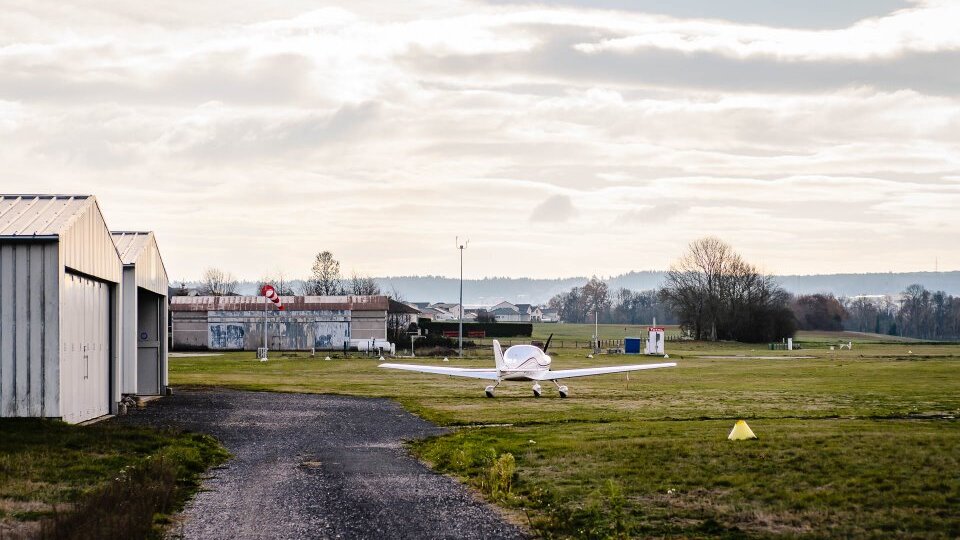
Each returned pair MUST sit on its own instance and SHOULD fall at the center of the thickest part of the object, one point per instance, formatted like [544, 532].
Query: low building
[60, 310]
[307, 322]
[144, 319]
[549, 315]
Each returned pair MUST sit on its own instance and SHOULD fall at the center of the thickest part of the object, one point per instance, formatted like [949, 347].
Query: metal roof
[290, 303]
[39, 215]
[130, 244]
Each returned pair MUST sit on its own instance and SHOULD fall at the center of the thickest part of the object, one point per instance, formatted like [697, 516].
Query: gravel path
[317, 466]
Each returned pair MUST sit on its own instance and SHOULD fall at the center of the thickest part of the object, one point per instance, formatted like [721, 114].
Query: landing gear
[489, 390]
[537, 390]
[563, 389]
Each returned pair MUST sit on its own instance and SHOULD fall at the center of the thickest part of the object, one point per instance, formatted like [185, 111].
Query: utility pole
[461, 247]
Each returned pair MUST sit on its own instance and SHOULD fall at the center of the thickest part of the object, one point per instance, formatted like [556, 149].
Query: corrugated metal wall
[29, 329]
[289, 330]
[128, 329]
[151, 274]
[368, 324]
[300, 330]
[86, 246]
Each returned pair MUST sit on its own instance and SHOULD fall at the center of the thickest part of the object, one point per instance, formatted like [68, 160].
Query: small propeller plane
[524, 363]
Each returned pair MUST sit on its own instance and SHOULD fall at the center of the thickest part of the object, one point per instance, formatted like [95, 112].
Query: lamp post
[461, 247]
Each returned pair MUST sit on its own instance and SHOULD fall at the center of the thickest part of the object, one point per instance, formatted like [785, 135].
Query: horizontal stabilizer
[586, 372]
[490, 374]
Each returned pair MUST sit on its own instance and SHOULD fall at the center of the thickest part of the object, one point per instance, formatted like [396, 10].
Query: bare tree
[325, 277]
[363, 285]
[217, 282]
[398, 323]
[717, 295]
[280, 282]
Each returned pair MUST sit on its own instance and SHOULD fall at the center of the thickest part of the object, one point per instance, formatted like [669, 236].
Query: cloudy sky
[563, 138]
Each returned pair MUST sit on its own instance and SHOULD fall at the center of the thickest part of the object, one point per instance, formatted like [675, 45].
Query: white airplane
[523, 363]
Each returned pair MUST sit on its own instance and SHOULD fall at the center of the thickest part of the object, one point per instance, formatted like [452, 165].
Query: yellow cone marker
[741, 432]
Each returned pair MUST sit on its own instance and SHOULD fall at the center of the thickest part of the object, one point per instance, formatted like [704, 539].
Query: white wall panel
[28, 329]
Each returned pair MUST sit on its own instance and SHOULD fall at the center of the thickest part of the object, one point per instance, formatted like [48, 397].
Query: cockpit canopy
[525, 357]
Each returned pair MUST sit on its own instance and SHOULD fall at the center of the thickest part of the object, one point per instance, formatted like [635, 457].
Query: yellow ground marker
[741, 431]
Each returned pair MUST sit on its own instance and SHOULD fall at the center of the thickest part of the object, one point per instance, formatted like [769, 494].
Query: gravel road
[317, 466]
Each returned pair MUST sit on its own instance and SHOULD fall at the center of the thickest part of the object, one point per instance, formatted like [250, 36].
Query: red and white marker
[271, 294]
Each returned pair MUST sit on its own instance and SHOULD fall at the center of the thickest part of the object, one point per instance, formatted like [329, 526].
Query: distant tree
[325, 277]
[716, 295]
[398, 324]
[595, 297]
[217, 282]
[363, 285]
[819, 312]
[283, 286]
[484, 316]
[181, 289]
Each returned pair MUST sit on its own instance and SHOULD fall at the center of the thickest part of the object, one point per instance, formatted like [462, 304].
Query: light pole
[461, 247]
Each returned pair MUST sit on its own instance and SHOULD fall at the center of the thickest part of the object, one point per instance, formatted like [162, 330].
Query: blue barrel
[631, 345]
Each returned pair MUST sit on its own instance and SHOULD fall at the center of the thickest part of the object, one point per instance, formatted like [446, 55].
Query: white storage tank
[59, 306]
[143, 326]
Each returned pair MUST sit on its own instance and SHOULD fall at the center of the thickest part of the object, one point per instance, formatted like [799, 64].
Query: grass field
[851, 443]
[99, 481]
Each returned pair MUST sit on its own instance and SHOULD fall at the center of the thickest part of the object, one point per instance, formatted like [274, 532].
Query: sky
[562, 138]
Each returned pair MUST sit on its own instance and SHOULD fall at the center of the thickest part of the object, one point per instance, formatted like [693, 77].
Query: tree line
[325, 279]
[622, 306]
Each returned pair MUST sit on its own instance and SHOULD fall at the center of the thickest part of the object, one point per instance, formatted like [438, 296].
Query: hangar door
[148, 343]
[85, 356]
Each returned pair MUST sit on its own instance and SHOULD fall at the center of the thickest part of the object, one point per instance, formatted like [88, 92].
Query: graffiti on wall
[322, 329]
[227, 336]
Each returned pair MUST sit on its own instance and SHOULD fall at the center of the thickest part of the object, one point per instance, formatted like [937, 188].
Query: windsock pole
[264, 327]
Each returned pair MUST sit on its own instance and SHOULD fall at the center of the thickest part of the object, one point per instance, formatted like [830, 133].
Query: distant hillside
[489, 291]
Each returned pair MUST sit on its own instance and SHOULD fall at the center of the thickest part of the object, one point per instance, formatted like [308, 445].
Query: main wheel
[563, 391]
[488, 391]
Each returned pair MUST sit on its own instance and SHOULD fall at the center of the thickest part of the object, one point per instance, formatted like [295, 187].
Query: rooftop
[40, 215]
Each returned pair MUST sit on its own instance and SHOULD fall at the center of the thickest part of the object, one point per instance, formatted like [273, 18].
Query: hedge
[492, 329]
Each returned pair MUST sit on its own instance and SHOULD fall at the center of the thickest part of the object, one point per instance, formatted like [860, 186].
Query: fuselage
[522, 362]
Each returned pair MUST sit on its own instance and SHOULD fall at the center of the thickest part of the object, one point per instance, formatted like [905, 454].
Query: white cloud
[926, 28]
[381, 133]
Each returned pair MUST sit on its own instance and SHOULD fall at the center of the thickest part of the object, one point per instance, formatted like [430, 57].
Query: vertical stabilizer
[498, 356]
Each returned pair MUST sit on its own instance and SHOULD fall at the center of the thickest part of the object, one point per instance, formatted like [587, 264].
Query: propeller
[547, 345]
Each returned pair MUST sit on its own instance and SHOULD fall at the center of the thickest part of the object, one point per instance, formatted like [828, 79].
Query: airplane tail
[498, 356]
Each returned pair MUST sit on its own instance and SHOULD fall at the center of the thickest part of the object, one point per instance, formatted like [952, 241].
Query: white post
[264, 328]
[460, 307]
[596, 331]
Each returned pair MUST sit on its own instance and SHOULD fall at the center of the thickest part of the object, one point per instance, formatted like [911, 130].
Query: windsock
[271, 294]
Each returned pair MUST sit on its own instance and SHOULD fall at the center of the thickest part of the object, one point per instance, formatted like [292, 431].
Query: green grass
[852, 443]
[49, 468]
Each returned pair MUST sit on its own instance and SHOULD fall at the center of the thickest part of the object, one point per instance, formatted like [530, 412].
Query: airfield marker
[741, 432]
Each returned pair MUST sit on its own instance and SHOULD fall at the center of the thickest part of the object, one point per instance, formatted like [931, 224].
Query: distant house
[549, 315]
[509, 312]
[529, 313]
[505, 314]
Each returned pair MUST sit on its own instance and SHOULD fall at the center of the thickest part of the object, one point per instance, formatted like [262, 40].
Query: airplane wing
[586, 372]
[490, 374]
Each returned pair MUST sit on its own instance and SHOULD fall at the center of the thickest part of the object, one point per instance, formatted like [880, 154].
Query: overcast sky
[563, 138]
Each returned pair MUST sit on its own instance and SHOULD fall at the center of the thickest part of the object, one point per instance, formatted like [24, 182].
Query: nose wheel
[537, 390]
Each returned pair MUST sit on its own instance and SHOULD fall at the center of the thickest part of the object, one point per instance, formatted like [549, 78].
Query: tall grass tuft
[500, 475]
[125, 507]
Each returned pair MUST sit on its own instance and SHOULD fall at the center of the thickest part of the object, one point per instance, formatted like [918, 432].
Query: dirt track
[315, 466]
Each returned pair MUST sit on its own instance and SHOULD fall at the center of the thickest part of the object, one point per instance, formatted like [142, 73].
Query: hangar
[143, 324]
[307, 322]
[59, 308]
